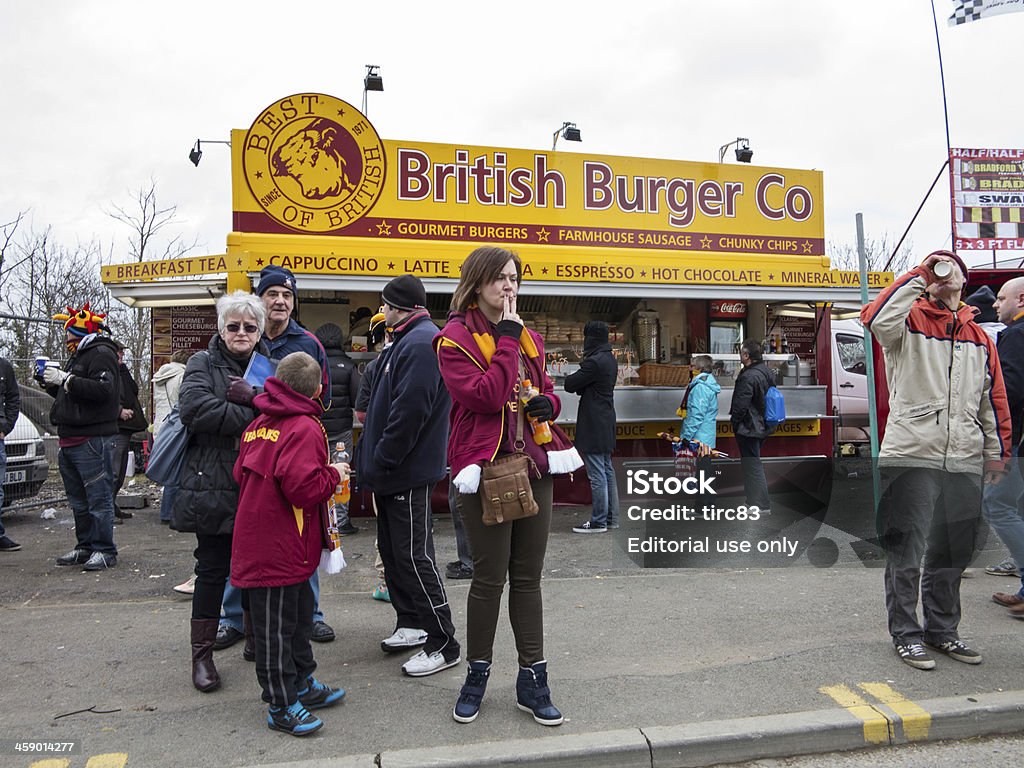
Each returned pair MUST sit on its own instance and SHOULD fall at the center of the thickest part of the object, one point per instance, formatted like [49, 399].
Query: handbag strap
[520, 445]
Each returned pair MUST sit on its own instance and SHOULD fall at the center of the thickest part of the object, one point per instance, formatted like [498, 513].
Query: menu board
[177, 328]
[798, 333]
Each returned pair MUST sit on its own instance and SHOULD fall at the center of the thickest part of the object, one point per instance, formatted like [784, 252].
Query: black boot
[204, 674]
[533, 694]
[249, 648]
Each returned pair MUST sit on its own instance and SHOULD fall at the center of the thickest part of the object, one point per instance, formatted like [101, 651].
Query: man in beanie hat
[282, 335]
[948, 431]
[87, 403]
[401, 457]
[983, 301]
[595, 425]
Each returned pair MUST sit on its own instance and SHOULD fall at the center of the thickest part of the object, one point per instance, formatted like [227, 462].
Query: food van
[680, 258]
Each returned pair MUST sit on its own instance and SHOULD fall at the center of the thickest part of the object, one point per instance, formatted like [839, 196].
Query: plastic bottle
[541, 429]
[343, 492]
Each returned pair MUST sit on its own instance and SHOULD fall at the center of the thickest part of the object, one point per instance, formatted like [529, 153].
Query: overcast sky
[100, 96]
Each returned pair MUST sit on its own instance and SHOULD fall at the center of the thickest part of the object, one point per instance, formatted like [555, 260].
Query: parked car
[850, 381]
[27, 466]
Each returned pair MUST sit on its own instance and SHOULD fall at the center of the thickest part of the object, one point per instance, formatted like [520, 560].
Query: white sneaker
[422, 665]
[402, 639]
[188, 588]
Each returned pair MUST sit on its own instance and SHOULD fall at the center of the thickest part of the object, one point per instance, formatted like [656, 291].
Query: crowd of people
[258, 483]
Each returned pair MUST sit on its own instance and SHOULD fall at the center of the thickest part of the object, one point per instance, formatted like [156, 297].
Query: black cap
[405, 292]
[274, 275]
[982, 300]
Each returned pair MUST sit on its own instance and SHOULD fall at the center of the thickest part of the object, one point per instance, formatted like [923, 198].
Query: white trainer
[403, 638]
[423, 664]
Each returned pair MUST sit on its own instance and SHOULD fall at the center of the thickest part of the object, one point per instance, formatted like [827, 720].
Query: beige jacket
[947, 403]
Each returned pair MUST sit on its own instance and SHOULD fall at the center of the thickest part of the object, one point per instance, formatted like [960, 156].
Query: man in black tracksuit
[400, 457]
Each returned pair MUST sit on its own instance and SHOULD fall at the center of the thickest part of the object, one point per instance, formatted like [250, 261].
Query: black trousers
[213, 569]
[406, 542]
[282, 622]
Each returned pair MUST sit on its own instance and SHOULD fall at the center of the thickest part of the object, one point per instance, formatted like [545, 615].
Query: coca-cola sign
[728, 308]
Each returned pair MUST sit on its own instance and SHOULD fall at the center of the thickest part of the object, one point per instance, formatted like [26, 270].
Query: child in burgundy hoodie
[284, 485]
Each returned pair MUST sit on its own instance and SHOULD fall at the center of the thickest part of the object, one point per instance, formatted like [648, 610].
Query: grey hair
[704, 362]
[240, 304]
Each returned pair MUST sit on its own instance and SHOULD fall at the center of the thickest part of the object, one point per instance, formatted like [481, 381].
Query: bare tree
[878, 252]
[148, 241]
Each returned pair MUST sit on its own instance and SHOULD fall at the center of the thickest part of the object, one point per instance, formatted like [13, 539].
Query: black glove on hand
[540, 408]
[508, 328]
[240, 391]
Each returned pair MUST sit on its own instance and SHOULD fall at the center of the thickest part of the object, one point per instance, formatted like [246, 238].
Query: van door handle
[846, 385]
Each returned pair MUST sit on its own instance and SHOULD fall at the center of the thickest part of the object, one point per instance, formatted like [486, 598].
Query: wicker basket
[658, 375]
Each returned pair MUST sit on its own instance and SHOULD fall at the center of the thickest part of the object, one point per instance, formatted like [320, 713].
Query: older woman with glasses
[207, 493]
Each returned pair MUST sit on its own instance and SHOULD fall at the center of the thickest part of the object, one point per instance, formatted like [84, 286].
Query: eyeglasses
[237, 327]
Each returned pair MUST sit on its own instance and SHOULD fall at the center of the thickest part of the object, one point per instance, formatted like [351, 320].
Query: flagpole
[945, 115]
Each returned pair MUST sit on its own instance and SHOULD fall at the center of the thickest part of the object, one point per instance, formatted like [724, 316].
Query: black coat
[207, 493]
[405, 438]
[595, 384]
[90, 404]
[130, 400]
[10, 398]
[747, 410]
[1010, 346]
[338, 418]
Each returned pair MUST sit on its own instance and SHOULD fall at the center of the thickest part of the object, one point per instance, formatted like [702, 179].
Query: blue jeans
[3, 468]
[231, 608]
[167, 502]
[604, 492]
[1001, 505]
[88, 481]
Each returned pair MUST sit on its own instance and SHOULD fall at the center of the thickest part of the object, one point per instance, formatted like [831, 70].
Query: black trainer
[226, 637]
[74, 557]
[915, 655]
[956, 649]
[99, 561]
[7, 545]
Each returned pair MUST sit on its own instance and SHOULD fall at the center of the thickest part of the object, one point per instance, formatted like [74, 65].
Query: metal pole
[869, 363]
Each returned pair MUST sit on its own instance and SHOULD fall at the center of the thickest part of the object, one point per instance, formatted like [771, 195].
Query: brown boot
[249, 649]
[204, 673]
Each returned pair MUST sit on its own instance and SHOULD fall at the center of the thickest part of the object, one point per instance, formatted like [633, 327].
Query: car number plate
[14, 476]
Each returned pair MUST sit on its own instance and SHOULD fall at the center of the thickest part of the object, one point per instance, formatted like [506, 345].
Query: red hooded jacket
[284, 484]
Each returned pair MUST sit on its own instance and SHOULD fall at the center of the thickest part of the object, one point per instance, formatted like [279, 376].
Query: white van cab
[27, 467]
[849, 381]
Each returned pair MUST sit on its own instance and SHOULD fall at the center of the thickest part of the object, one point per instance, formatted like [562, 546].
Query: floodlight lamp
[196, 154]
[568, 131]
[373, 81]
[744, 153]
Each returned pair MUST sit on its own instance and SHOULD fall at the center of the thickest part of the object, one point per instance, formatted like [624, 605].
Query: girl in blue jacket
[701, 403]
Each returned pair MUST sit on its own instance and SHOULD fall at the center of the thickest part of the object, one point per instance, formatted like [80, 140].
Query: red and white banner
[987, 198]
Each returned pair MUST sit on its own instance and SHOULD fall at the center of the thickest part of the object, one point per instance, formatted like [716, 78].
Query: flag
[972, 10]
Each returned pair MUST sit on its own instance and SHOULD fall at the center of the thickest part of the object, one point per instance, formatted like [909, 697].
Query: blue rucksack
[774, 408]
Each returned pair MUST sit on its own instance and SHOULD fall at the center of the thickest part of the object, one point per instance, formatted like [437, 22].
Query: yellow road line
[876, 724]
[916, 720]
[109, 760]
[53, 762]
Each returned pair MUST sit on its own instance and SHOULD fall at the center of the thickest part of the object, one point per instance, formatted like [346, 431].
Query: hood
[707, 380]
[278, 399]
[168, 371]
[331, 336]
[595, 335]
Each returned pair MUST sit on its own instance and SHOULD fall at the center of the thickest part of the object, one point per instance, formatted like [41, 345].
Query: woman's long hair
[481, 266]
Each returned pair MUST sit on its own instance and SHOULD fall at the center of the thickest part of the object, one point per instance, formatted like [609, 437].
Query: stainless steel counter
[633, 404]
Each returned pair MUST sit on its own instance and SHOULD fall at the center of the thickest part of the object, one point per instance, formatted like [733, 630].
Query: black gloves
[508, 328]
[240, 391]
[540, 408]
